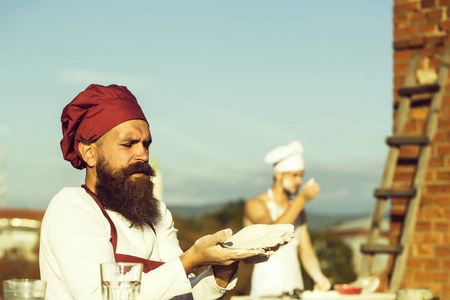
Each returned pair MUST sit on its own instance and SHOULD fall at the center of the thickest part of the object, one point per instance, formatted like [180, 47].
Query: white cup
[24, 289]
[121, 281]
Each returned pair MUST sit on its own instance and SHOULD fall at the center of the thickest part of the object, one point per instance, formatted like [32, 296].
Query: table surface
[330, 295]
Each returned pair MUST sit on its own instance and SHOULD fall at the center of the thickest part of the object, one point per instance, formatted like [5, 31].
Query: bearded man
[114, 217]
[284, 204]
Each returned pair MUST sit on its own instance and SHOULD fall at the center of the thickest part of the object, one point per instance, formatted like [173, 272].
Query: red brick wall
[424, 26]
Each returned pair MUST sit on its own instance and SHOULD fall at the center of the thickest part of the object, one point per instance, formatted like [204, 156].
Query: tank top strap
[274, 210]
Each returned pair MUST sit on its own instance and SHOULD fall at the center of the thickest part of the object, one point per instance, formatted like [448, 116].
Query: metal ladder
[414, 193]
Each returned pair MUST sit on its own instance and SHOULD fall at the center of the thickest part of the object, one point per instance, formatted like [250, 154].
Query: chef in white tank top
[284, 203]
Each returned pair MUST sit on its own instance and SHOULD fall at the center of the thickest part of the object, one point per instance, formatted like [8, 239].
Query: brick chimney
[424, 26]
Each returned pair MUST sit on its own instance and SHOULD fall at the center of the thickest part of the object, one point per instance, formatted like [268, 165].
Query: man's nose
[142, 153]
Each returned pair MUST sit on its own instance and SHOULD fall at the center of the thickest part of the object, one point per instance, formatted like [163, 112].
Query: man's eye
[127, 145]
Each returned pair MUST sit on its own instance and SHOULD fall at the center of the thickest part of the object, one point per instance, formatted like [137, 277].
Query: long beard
[132, 197]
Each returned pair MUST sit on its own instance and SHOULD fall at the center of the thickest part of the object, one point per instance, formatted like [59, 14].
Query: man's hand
[309, 191]
[208, 251]
[223, 274]
[322, 283]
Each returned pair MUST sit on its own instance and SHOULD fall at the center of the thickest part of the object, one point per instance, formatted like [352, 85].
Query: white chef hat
[286, 158]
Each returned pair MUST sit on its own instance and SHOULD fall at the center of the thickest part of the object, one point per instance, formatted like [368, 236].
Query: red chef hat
[94, 112]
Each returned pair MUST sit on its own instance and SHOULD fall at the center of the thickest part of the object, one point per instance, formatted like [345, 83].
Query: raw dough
[260, 236]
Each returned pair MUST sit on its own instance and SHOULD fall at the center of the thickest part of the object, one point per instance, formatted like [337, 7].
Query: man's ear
[277, 176]
[89, 153]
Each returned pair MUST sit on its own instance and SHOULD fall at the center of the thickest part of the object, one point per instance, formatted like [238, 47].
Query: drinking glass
[24, 289]
[121, 281]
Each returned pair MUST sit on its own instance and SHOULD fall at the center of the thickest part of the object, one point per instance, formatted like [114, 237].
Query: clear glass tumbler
[121, 281]
[24, 289]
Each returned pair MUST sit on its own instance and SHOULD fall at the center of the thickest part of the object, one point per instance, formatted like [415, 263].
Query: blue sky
[221, 83]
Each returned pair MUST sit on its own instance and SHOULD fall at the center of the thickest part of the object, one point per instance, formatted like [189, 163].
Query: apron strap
[148, 264]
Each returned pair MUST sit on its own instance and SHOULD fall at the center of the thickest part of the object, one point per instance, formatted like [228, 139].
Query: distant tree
[228, 216]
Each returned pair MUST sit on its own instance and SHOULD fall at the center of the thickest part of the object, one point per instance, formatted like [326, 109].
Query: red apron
[148, 264]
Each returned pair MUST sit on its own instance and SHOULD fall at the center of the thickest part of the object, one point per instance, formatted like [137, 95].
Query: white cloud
[213, 185]
[249, 120]
[340, 193]
[190, 143]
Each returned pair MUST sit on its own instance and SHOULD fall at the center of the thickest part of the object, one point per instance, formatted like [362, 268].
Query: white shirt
[75, 240]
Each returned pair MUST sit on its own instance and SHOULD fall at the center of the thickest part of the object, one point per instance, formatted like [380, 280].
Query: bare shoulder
[257, 200]
[255, 211]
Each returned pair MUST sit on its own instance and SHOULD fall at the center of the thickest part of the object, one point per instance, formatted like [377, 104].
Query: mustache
[139, 167]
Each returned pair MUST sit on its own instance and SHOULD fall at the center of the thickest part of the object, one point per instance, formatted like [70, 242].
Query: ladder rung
[407, 160]
[408, 91]
[407, 140]
[421, 99]
[373, 249]
[388, 193]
